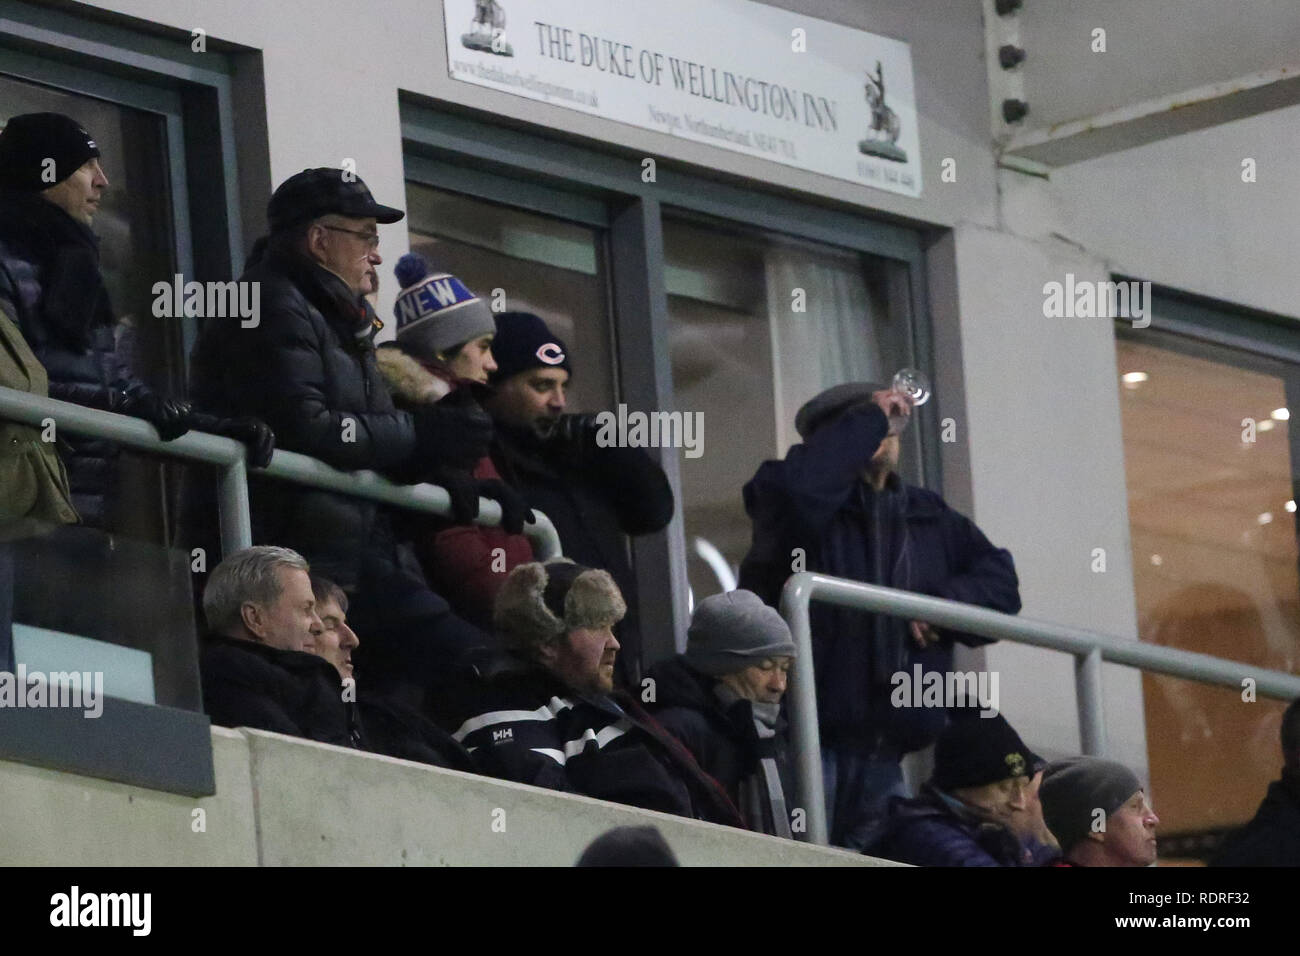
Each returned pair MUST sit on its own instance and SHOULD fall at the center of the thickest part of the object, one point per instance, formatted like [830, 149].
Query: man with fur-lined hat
[546, 712]
[443, 355]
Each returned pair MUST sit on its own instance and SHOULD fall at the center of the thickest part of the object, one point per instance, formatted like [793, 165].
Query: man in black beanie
[978, 809]
[51, 186]
[595, 496]
[1099, 813]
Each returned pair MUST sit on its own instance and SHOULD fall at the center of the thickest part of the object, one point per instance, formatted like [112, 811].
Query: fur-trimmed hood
[410, 379]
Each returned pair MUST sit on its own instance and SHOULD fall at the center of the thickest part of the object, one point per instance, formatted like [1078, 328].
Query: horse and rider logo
[882, 136]
[486, 29]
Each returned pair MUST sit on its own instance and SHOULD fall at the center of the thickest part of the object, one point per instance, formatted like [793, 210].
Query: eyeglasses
[371, 238]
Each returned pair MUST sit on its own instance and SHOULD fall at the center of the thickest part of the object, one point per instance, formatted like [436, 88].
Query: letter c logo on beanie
[551, 354]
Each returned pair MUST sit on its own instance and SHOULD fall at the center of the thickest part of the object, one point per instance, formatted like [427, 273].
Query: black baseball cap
[321, 191]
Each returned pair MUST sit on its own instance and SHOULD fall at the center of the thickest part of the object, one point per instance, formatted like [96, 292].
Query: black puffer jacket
[308, 370]
[49, 274]
[266, 688]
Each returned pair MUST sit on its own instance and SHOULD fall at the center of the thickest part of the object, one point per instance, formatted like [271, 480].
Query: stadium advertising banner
[731, 73]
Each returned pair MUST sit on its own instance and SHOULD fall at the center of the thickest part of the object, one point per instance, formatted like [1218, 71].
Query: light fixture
[1267, 425]
[1265, 518]
[1290, 507]
[1157, 560]
[1280, 414]
[1133, 379]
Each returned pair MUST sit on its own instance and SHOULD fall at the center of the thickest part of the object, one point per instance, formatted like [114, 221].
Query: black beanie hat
[524, 342]
[975, 750]
[30, 140]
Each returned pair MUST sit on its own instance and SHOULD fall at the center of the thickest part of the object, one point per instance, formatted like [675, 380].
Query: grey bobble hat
[735, 630]
[1073, 789]
[826, 405]
[436, 311]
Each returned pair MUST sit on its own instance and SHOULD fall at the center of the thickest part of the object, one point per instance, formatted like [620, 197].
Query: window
[544, 265]
[759, 325]
[1213, 525]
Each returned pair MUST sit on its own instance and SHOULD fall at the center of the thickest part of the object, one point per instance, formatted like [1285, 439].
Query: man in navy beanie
[595, 496]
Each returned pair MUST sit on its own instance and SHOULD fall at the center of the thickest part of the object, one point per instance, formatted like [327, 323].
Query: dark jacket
[816, 501]
[521, 723]
[934, 829]
[595, 497]
[466, 562]
[384, 726]
[49, 275]
[722, 739]
[1272, 837]
[246, 684]
[308, 370]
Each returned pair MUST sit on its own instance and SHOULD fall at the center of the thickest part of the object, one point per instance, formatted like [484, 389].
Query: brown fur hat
[539, 603]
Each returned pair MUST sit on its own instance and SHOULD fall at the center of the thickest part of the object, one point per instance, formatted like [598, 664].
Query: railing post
[809, 787]
[232, 508]
[1092, 716]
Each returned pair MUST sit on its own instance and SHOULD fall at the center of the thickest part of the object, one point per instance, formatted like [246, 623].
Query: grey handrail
[1089, 648]
[228, 455]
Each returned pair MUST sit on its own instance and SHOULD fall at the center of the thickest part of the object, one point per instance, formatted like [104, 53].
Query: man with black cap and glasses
[308, 368]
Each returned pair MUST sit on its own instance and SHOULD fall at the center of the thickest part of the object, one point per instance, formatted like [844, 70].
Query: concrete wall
[282, 801]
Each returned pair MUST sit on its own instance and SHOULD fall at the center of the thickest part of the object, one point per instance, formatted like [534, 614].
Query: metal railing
[228, 456]
[1089, 649]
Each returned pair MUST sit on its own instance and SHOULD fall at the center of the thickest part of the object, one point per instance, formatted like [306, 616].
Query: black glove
[514, 509]
[452, 436]
[253, 432]
[577, 431]
[168, 415]
[462, 489]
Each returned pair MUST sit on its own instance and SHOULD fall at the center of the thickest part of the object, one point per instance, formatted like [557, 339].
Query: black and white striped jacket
[521, 723]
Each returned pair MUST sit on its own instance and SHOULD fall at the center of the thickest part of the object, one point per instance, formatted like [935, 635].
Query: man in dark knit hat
[595, 496]
[979, 807]
[51, 186]
[547, 713]
[836, 505]
[722, 698]
[1099, 813]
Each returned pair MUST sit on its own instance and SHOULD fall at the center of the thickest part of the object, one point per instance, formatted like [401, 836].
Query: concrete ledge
[282, 801]
[55, 818]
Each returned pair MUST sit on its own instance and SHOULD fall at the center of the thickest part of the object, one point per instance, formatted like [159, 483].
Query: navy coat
[906, 537]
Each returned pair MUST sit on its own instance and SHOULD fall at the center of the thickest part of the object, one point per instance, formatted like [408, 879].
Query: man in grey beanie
[1098, 813]
[722, 698]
